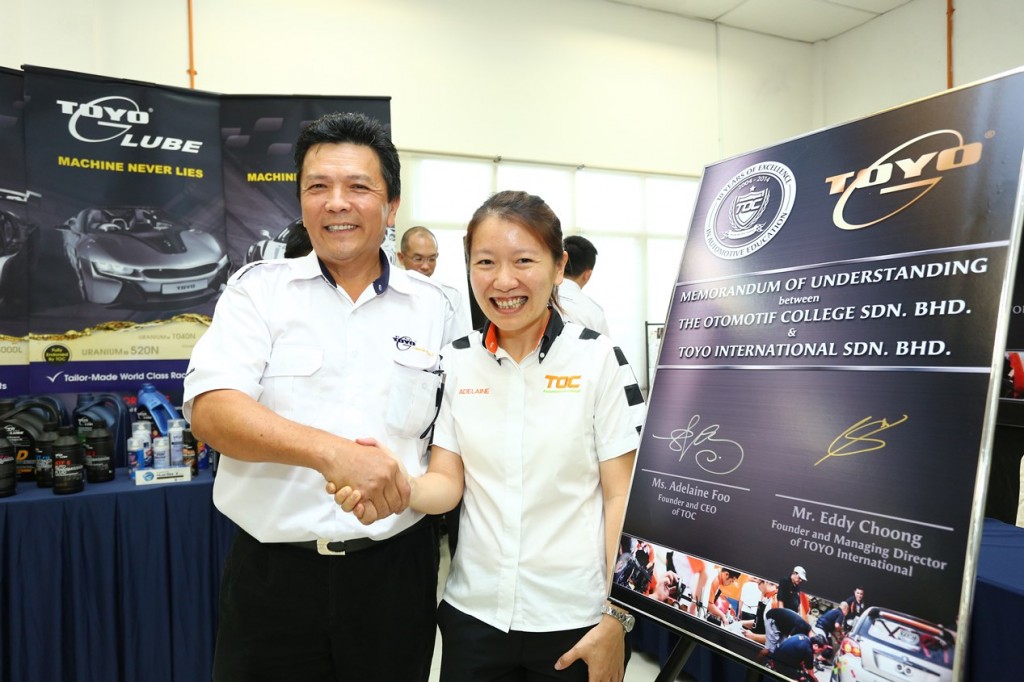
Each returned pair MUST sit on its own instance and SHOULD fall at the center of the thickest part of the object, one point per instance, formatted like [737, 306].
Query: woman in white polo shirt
[537, 433]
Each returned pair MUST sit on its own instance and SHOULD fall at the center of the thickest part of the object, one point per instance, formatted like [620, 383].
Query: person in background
[791, 591]
[791, 644]
[725, 578]
[853, 606]
[539, 426]
[305, 358]
[750, 597]
[419, 253]
[831, 624]
[582, 256]
[754, 629]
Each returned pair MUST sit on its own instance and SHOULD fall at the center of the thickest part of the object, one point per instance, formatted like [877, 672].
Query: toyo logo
[103, 119]
[108, 118]
[899, 178]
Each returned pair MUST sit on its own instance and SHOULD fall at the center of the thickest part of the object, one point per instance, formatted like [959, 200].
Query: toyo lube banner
[130, 252]
[821, 417]
[134, 204]
[16, 203]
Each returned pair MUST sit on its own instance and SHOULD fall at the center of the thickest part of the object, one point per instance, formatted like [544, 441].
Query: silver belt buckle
[323, 549]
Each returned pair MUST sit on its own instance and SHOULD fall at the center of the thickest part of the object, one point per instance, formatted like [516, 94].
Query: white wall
[901, 56]
[565, 81]
[988, 38]
[758, 74]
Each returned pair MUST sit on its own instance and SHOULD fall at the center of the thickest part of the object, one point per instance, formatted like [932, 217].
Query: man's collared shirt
[581, 308]
[285, 335]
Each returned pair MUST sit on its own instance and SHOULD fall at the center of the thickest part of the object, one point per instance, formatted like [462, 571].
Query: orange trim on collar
[491, 337]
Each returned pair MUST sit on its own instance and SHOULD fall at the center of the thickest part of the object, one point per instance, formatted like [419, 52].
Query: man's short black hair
[342, 127]
[582, 255]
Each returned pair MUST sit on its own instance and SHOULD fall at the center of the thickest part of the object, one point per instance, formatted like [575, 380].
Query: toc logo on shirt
[562, 384]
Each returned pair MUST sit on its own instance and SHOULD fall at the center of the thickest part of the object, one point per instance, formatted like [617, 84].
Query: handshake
[375, 486]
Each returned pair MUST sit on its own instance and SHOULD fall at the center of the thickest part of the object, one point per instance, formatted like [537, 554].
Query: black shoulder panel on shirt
[620, 356]
[461, 344]
[588, 334]
[246, 269]
[633, 395]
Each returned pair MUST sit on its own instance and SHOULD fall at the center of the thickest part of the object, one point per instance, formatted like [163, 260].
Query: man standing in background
[791, 591]
[419, 254]
[419, 251]
[578, 306]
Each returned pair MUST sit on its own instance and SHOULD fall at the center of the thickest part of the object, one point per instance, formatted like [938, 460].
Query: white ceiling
[806, 20]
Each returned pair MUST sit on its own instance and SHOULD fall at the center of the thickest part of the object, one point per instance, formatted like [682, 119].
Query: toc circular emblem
[750, 210]
[57, 354]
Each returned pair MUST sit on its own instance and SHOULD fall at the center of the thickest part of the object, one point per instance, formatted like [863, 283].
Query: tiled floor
[642, 668]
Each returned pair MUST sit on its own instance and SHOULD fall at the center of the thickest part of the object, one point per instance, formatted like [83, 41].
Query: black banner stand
[677, 659]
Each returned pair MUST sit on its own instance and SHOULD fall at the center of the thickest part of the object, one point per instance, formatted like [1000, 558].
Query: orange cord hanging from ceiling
[949, 43]
[192, 52]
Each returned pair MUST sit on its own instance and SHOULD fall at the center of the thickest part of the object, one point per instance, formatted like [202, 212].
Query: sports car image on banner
[17, 228]
[289, 242]
[887, 645]
[14, 233]
[139, 257]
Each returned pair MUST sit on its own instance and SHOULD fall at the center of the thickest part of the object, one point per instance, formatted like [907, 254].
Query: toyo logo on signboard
[108, 118]
[893, 173]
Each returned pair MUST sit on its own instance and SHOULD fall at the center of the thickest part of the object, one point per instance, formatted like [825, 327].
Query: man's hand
[665, 587]
[374, 476]
[603, 649]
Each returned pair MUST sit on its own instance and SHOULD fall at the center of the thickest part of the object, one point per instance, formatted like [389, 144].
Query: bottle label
[67, 475]
[8, 477]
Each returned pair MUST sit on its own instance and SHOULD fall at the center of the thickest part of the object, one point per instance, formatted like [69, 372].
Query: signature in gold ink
[858, 438]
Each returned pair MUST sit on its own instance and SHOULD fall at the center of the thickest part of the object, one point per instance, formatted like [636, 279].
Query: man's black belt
[343, 547]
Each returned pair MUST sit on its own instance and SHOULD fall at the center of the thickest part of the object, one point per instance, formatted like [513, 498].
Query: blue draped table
[117, 582]
[993, 652]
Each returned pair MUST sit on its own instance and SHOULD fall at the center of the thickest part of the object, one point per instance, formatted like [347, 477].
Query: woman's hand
[603, 649]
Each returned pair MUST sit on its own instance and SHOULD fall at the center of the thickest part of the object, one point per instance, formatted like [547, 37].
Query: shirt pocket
[414, 395]
[287, 377]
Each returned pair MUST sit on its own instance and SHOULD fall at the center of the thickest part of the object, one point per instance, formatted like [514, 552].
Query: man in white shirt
[309, 364]
[579, 307]
[419, 253]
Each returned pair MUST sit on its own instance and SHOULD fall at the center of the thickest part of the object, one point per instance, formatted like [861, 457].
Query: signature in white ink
[717, 456]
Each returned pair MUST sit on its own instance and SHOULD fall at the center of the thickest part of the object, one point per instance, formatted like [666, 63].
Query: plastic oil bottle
[8, 469]
[44, 455]
[68, 462]
[156, 404]
[99, 455]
